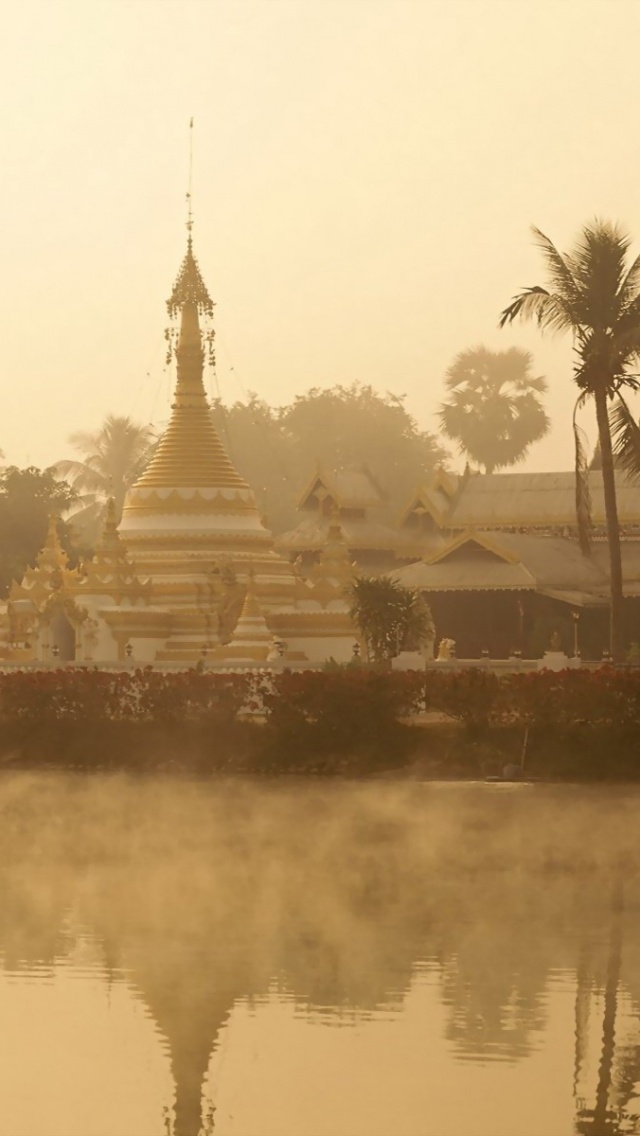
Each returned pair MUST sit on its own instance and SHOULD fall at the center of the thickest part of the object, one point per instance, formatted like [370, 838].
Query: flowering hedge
[79, 694]
[309, 721]
[606, 697]
[337, 712]
[358, 698]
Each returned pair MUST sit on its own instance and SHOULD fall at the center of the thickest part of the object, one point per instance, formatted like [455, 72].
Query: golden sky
[365, 175]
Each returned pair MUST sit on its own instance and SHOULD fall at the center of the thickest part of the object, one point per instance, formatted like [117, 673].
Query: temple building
[191, 573]
[501, 566]
[352, 497]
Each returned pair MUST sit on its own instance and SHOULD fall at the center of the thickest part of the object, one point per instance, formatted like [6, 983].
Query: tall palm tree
[113, 458]
[594, 293]
[494, 411]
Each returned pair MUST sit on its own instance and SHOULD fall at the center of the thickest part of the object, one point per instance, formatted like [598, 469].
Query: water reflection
[483, 931]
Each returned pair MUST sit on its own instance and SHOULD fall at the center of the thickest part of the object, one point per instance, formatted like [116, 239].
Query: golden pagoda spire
[52, 555]
[190, 454]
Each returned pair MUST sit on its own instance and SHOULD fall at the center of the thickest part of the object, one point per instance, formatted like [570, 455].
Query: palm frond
[561, 277]
[625, 437]
[627, 330]
[548, 310]
[599, 264]
[630, 285]
[583, 493]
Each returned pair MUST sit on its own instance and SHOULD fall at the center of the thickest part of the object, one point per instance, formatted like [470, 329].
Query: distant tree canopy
[494, 411]
[277, 450]
[28, 497]
[113, 457]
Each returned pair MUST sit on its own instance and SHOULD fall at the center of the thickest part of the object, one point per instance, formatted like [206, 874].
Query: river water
[317, 959]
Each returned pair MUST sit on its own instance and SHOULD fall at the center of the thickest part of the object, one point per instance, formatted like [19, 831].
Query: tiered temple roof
[351, 495]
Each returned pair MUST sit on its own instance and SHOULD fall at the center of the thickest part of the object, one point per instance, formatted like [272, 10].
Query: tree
[113, 458]
[253, 436]
[277, 450]
[494, 411]
[390, 617]
[28, 497]
[593, 293]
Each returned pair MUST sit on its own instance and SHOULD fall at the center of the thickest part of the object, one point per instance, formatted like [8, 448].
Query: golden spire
[50, 573]
[251, 635]
[190, 453]
[110, 571]
[250, 607]
[52, 554]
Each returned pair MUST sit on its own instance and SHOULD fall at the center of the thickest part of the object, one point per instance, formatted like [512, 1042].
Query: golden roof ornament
[50, 573]
[110, 571]
[189, 287]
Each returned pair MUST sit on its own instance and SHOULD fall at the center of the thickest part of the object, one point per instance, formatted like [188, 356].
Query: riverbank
[445, 751]
[576, 726]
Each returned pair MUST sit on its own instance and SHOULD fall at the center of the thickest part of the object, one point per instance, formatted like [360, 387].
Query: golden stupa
[190, 574]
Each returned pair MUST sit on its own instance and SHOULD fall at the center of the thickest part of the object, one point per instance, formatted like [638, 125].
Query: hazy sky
[365, 175]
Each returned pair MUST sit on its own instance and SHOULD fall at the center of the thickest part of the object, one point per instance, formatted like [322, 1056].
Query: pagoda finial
[190, 186]
[189, 287]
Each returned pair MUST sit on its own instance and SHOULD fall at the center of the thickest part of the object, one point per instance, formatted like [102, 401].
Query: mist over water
[317, 959]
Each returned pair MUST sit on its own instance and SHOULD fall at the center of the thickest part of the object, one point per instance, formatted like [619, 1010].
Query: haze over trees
[28, 497]
[593, 292]
[278, 449]
[113, 457]
[494, 411]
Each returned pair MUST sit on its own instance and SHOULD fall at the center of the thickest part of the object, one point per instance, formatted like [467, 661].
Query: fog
[209, 896]
[354, 163]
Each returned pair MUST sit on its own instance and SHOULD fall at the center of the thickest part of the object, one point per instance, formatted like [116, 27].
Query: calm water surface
[317, 960]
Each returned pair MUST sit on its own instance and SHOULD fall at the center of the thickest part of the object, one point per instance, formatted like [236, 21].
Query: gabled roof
[430, 500]
[457, 576]
[359, 534]
[471, 542]
[499, 561]
[349, 488]
[445, 481]
[521, 500]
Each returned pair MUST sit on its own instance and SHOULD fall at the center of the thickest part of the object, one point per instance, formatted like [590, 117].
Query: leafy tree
[28, 497]
[390, 617]
[593, 293]
[494, 411]
[113, 458]
[277, 450]
[253, 436]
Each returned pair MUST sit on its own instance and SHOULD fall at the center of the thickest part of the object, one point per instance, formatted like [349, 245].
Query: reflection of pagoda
[188, 955]
[191, 1001]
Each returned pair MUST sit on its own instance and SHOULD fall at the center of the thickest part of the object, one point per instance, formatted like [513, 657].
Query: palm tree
[390, 617]
[113, 458]
[494, 412]
[594, 293]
